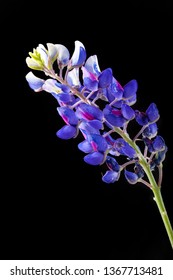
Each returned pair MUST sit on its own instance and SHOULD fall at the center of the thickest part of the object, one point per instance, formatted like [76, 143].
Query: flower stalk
[156, 188]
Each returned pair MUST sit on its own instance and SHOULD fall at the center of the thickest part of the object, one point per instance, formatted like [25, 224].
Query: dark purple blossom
[150, 116]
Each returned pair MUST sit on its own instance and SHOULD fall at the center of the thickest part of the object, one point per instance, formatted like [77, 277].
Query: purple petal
[94, 158]
[98, 142]
[152, 113]
[124, 148]
[88, 112]
[139, 170]
[68, 115]
[112, 164]
[149, 143]
[141, 118]
[115, 89]
[67, 132]
[118, 104]
[86, 128]
[130, 89]
[127, 112]
[96, 124]
[79, 55]
[131, 177]
[160, 156]
[117, 121]
[64, 97]
[90, 81]
[105, 78]
[110, 140]
[150, 131]
[34, 82]
[131, 100]
[110, 177]
[85, 147]
[158, 143]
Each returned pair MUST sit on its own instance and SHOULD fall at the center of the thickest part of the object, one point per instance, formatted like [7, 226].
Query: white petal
[92, 65]
[73, 77]
[63, 54]
[52, 52]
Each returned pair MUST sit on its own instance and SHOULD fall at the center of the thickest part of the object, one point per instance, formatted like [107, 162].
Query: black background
[53, 205]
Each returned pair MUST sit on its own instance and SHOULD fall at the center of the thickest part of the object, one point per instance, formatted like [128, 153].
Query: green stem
[160, 204]
[155, 188]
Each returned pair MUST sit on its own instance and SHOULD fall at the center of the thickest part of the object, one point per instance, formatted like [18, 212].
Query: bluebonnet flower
[104, 128]
[150, 116]
[35, 83]
[92, 102]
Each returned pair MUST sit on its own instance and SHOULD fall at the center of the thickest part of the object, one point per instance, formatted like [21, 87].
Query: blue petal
[158, 143]
[148, 142]
[89, 112]
[67, 132]
[90, 84]
[117, 121]
[131, 177]
[86, 128]
[90, 81]
[110, 177]
[98, 142]
[131, 100]
[68, 115]
[85, 147]
[34, 82]
[130, 89]
[109, 95]
[64, 97]
[110, 140]
[115, 89]
[141, 118]
[150, 131]
[124, 148]
[79, 55]
[160, 156]
[96, 124]
[105, 78]
[152, 113]
[127, 112]
[94, 158]
[92, 65]
[139, 170]
[118, 104]
[112, 164]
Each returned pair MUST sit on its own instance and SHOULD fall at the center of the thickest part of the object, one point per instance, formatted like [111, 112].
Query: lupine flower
[79, 56]
[70, 130]
[35, 83]
[42, 58]
[113, 173]
[150, 116]
[63, 55]
[92, 102]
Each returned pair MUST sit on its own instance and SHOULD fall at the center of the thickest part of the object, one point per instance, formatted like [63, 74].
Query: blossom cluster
[92, 102]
